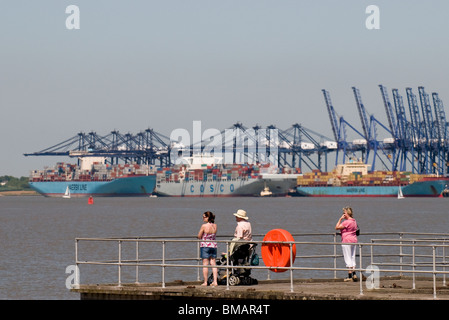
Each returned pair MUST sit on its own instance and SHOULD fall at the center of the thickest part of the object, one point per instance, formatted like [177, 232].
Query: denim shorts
[207, 253]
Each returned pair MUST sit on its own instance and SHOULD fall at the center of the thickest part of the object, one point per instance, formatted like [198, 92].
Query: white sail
[67, 193]
[400, 195]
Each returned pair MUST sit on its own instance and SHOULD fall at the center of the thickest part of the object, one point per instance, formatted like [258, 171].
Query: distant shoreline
[19, 193]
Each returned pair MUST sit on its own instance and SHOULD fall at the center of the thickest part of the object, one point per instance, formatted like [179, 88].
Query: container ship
[354, 180]
[94, 178]
[201, 176]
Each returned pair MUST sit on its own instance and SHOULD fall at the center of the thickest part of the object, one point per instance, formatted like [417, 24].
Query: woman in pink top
[348, 230]
[208, 246]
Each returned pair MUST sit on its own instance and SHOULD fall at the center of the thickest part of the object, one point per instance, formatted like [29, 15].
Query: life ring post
[280, 252]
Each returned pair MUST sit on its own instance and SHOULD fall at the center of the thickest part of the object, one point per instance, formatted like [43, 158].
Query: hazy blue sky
[162, 64]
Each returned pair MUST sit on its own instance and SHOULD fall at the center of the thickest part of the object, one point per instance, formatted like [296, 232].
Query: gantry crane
[420, 140]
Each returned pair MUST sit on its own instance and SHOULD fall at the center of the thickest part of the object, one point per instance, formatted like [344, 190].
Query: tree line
[9, 183]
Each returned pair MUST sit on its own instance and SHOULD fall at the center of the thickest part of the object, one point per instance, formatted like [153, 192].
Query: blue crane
[396, 144]
[285, 146]
[305, 148]
[386, 147]
[442, 134]
[113, 146]
[427, 116]
[418, 135]
[338, 129]
[332, 115]
[392, 122]
[362, 114]
[440, 119]
[369, 128]
[429, 132]
[358, 145]
[405, 144]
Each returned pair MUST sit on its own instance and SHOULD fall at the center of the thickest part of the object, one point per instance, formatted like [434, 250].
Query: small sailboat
[67, 193]
[400, 195]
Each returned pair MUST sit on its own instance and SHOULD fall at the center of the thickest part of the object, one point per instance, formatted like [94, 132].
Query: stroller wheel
[233, 280]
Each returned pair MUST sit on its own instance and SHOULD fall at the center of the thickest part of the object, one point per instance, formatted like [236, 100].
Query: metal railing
[422, 254]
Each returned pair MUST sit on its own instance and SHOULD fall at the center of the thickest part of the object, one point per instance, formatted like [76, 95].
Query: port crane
[417, 140]
[403, 134]
[442, 134]
[422, 137]
[290, 148]
[379, 149]
[145, 147]
[420, 141]
[339, 128]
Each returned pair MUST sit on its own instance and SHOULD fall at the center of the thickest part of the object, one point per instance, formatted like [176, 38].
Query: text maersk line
[240, 309]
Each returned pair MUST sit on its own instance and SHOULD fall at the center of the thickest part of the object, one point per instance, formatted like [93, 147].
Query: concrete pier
[390, 288]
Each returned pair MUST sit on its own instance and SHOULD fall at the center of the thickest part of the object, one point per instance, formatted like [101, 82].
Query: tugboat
[266, 192]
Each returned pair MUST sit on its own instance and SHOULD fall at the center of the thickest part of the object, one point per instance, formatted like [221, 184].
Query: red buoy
[91, 200]
[278, 254]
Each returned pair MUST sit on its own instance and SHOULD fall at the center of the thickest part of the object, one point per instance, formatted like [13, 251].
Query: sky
[163, 64]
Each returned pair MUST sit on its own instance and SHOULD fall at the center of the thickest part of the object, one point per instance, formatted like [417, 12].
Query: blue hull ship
[427, 188]
[123, 186]
[94, 178]
[355, 180]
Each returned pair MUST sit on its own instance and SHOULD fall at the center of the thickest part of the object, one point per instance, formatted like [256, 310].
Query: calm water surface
[38, 234]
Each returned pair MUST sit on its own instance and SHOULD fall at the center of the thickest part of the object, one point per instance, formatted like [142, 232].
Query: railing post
[137, 261]
[163, 264]
[77, 279]
[268, 271]
[335, 256]
[227, 265]
[434, 273]
[120, 263]
[400, 254]
[414, 267]
[198, 254]
[444, 262]
[360, 266]
[291, 267]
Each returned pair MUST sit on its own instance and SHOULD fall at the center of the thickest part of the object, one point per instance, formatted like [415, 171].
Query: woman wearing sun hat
[243, 228]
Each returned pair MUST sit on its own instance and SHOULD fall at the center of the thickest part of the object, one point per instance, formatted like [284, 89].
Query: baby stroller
[243, 254]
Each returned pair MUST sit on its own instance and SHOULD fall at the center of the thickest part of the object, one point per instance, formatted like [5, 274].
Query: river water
[38, 234]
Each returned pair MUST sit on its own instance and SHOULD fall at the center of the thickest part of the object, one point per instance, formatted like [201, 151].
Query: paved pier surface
[390, 288]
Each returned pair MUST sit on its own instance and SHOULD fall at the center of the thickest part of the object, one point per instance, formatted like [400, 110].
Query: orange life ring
[278, 254]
